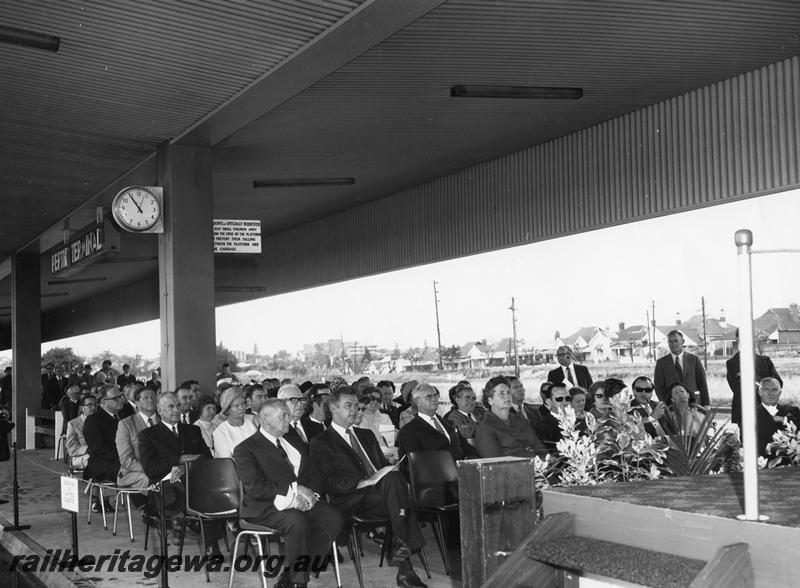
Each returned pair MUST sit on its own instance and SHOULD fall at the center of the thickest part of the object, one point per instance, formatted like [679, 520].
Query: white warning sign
[237, 236]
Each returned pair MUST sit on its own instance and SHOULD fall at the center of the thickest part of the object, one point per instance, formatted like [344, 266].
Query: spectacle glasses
[559, 398]
[375, 399]
[648, 390]
[295, 400]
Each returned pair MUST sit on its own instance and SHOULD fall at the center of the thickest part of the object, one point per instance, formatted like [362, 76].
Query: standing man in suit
[568, 372]
[764, 369]
[771, 416]
[680, 366]
[131, 473]
[269, 468]
[347, 463]
[428, 431]
[126, 377]
[163, 449]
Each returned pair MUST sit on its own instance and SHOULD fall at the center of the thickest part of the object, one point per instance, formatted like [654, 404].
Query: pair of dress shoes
[409, 579]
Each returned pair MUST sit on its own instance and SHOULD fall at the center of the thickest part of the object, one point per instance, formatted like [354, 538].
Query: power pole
[438, 332]
[653, 340]
[513, 310]
[649, 334]
[705, 340]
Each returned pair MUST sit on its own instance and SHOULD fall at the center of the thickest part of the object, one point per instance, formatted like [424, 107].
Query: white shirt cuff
[288, 500]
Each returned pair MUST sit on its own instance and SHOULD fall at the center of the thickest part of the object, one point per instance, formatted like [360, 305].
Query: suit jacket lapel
[274, 455]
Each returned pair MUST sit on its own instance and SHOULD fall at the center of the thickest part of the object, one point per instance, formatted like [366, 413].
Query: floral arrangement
[617, 448]
[785, 447]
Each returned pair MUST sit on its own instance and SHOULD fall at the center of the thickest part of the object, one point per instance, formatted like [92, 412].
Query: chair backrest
[212, 487]
[434, 477]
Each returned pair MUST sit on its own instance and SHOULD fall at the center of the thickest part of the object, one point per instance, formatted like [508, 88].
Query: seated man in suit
[771, 416]
[555, 397]
[680, 366]
[69, 405]
[348, 464]
[77, 450]
[653, 413]
[518, 404]
[388, 407]
[131, 473]
[316, 419]
[428, 431]
[100, 431]
[569, 373]
[295, 400]
[764, 369]
[269, 467]
[163, 449]
[129, 406]
[464, 415]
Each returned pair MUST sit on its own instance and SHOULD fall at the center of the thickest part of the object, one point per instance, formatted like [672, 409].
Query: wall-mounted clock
[139, 209]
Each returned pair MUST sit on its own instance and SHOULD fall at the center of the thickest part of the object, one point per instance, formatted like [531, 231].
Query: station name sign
[86, 246]
[237, 236]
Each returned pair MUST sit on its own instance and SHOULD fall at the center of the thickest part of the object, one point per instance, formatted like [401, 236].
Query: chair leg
[424, 561]
[90, 490]
[233, 558]
[116, 510]
[441, 540]
[202, 545]
[103, 507]
[357, 556]
[388, 537]
[336, 570]
[183, 536]
[128, 508]
[262, 560]
[146, 534]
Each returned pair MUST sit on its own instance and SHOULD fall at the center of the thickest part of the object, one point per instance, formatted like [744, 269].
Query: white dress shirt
[288, 500]
[429, 420]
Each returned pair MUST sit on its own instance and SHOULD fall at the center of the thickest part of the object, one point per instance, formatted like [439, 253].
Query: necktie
[175, 431]
[283, 453]
[149, 421]
[360, 452]
[678, 368]
[184, 419]
[569, 375]
[299, 430]
[438, 426]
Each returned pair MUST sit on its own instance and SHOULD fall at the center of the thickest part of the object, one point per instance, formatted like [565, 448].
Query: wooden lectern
[497, 506]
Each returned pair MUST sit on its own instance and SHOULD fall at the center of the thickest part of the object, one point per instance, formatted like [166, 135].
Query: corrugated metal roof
[128, 76]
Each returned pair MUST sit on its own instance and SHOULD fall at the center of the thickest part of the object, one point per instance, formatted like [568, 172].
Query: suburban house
[779, 325]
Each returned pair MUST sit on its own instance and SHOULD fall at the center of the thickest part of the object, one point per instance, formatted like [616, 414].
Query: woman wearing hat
[238, 426]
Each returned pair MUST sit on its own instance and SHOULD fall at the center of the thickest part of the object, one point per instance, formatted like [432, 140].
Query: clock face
[137, 209]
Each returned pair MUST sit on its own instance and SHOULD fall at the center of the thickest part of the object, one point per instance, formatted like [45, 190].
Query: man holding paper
[347, 463]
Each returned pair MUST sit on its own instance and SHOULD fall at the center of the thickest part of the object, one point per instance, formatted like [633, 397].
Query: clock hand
[137, 204]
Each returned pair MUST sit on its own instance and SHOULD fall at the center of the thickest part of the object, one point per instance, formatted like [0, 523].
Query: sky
[599, 278]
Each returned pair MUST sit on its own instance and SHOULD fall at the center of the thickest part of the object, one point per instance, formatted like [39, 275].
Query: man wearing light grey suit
[680, 366]
[131, 474]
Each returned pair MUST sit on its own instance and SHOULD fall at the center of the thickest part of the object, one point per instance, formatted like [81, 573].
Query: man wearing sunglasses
[653, 413]
[555, 398]
[296, 402]
[568, 372]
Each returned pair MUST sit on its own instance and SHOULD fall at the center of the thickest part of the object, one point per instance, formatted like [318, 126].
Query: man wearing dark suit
[569, 372]
[655, 421]
[547, 427]
[126, 377]
[771, 416]
[347, 463]
[428, 431]
[189, 414]
[163, 449]
[388, 407]
[518, 405]
[764, 369]
[70, 406]
[100, 431]
[680, 366]
[296, 401]
[129, 406]
[316, 420]
[269, 468]
[51, 388]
